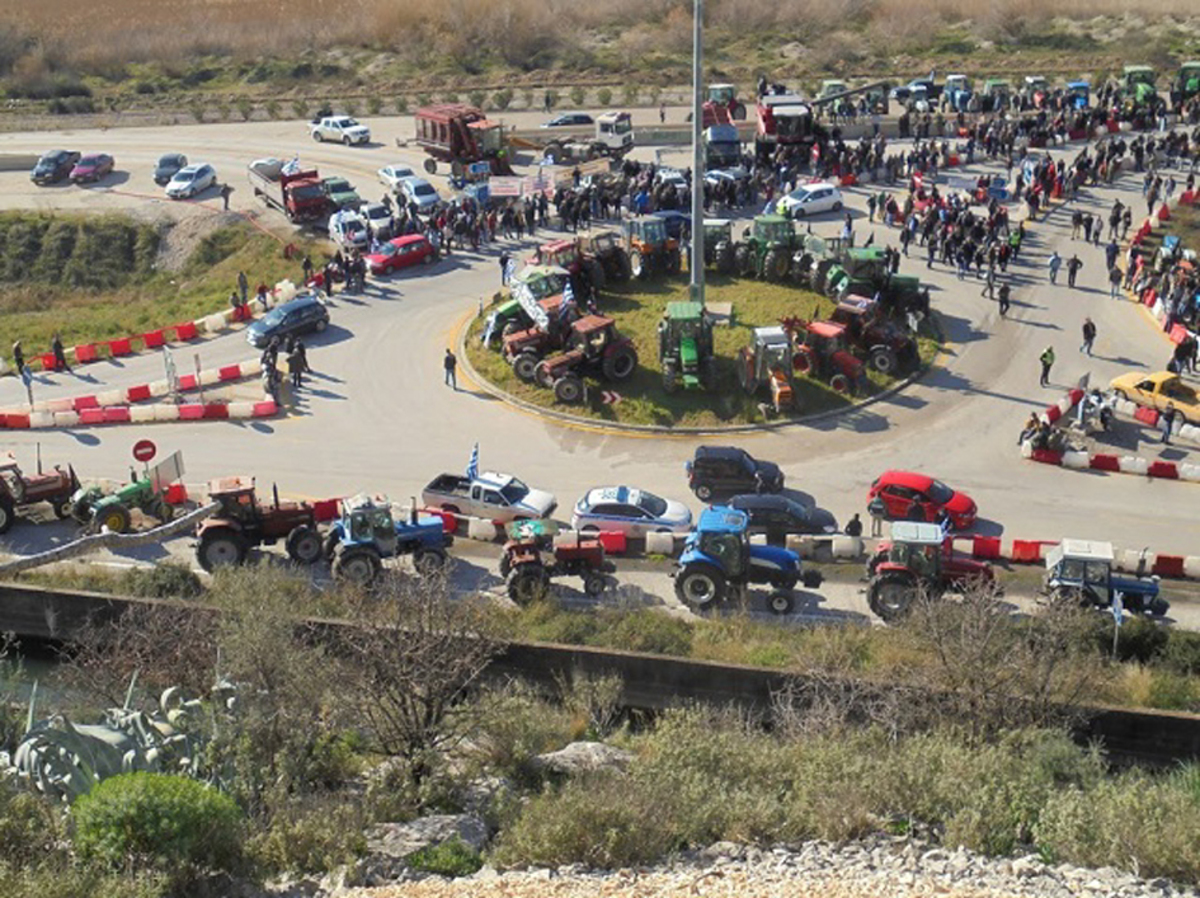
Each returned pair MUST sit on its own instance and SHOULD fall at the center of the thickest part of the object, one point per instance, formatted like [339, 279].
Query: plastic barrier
[177, 494]
[229, 372]
[985, 547]
[268, 408]
[153, 339]
[141, 414]
[118, 414]
[1165, 469]
[1132, 464]
[1191, 566]
[187, 382]
[86, 352]
[614, 543]
[1103, 462]
[186, 331]
[16, 422]
[209, 378]
[47, 361]
[139, 393]
[846, 546]
[215, 411]
[191, 411]
[660, 543]
[58, 405]
[478, 528]
[1164, 214]
[1077, 460]
[1167, 565]
[1047, 456]
[66, 419]
[1026, 550]
[166, 412]
[240, 410]
[120, 347]
[214, 324]
[91, 416]
[1146, 415]
[1189, 472]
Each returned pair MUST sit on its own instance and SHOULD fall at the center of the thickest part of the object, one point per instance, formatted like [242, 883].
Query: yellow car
[1156, 390]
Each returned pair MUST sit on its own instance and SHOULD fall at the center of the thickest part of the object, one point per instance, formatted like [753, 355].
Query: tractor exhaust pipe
[412, 510]
[275, 494]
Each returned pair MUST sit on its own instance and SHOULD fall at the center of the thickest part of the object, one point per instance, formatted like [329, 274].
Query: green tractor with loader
[685, 347]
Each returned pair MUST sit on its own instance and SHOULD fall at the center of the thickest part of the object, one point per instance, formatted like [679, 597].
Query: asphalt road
[377, 417]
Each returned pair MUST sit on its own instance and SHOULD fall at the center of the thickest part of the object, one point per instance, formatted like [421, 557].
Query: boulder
[399, 840]
[583, 757]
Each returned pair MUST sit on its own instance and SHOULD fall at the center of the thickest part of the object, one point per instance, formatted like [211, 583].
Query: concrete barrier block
[251, 368]
[1188, 471]
[111, 397]
[1127, 559]
[141, 414]
[1077, 460]
[241, 409]
[159, 388]
[38, 420]
[200, 325]
[477, 528]
[210, 377]
[1027, 449]
[1190, 432]
[1191, 566]
[166, 412]
[1125, 407]
[66, 419]
[660, 543]
[1132, 464]
[847, 546]
[214, 324]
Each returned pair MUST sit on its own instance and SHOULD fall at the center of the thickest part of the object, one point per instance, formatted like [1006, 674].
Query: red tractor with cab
[241, 522]
[19, 491]
[918, 560]
[821, 352]
[593, 347]
[536, 552]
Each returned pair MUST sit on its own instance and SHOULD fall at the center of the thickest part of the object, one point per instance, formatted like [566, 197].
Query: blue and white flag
[568, 301]
[473, 464]
[292, 166]
[510, 270]
[1117, 608]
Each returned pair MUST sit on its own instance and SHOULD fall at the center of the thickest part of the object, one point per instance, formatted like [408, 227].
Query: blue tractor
[367, 533]
[1080, 570]
[718, 563]
[1079, 94]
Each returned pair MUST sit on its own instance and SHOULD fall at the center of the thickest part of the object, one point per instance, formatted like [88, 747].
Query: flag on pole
[1117, 608]
[510, 270]
[568, 302]
[473, 464]
[292, 166]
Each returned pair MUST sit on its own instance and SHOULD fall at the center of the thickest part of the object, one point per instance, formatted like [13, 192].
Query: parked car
[1157, 391]
[569, 119]
[810, 199]
[727, 469]
[676, 222]
[169, 165]
[341, 128]
[392, 175]
[401, 252]
[91, 167]
[421, 192]
[349, 230]
[492, 496]
[379, 218]
[191, 180]
[54, 165]
[780, 516]
[630, 511]
[296, 316]
[918, 497]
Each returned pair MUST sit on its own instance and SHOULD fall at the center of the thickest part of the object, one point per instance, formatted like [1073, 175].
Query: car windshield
[185, 175]
[424, 190]
[652, 505]
[940, 493]
[345, 123]
[514, 492]
[377, 212]
[273, 318]
[169, 162]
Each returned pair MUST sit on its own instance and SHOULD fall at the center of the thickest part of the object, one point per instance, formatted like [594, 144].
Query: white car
[810, 199]
[341, 128]
[630, 511]
[421, 192]
[379, 217]
[191, 180]
[349, 229]
[392, 175]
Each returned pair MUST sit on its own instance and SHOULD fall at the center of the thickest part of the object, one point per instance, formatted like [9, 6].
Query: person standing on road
[1115, 276]
[1047, 360]
[18, 355]
[1087, 227]
[1089, 336]
[1073, 266]
[60, 356]
[449, 363]
[1054, 264]
[1166, 421]
[1005, 299]
[226, 190]
[307, 267]
[876, 510]
[1111, 251]
[504, 259]
[297, 364]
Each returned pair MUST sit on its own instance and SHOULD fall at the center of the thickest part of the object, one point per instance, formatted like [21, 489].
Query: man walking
[1089, 336]
[226, 190]
[60, 357]
[1166, 421]
[1073, 266]
[1005, 299]
[1115, 276]
[1047, 360]
[449, 363]
[1054, 265]
[504, 259]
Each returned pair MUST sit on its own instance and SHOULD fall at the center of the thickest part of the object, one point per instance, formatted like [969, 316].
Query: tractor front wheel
[528, 583]
[704, 492]
[884, 360]
[781, 602]
[568, 389]
[700, 585]
[62, 508]
[116, 518]
[776, 265]
[7, 514]
[743, 258]
[737, 111]
[670, 379]
[674, 262]
[891, 596]
[524, 365]
[638, 266]
[624, 267]
[357, 564]
[725, 259]
[594, 584]
[543, 376]
[219, 547]
[303, 545]
[429, 562]
[840, 383]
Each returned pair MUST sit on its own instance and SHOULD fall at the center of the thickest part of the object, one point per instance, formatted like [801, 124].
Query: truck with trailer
[459, 135]
[299, 195]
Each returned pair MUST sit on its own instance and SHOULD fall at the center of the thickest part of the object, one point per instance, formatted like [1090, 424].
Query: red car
[401, 252]
[91, 167]
[916, 497]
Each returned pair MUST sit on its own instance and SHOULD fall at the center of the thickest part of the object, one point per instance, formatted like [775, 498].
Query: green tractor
[719, 248]
[1187, 85]
[95, 509]
[651, 250]
[768, 250]
[1139, 84]
[685, 347]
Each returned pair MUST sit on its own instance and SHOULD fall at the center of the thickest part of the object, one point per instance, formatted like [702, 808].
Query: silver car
[191, 180]
[630, 511]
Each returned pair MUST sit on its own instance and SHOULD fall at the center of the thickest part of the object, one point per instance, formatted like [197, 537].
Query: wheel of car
[221, 546]
[528, 583]
[7, 515]
[322, 323]
[916, 512]
[116, 518]
[594, 584]
[525, 366]
[703, 492]
[700, 585]
[346, 140]
[429, 561]
[357, 564]
[568, 389]
[428, 259]
[303, 545]
[891, 596]
[62, 508]
[450, 509]
[780, 602]
[797, 212]
[837, 207]
[317, 137]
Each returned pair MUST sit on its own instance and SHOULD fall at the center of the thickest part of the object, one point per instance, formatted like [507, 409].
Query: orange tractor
[767, 363]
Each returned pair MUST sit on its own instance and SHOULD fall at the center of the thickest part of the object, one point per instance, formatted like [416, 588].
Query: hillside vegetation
[131, 50]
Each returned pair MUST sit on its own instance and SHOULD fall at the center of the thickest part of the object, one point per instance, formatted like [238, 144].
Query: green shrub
[450, 858]
[351, 107]
[223, 112]
[630, 94]
[604, 96]
[59, 878]
[577, 95]
[153, 821]
[374, 105]
[502, 98]
[29, 826]
[514, 725]
[245, 108]
[300, 108]
[401, 105]
[424, 98]
[168, 580]
[272, 109]
[477, 98]
[198, 110]
[450, 96]
[313, 836]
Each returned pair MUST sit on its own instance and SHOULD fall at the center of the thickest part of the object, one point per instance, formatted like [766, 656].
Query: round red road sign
[144, 450]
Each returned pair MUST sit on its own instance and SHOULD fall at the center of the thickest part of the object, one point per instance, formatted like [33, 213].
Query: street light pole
[696, 262]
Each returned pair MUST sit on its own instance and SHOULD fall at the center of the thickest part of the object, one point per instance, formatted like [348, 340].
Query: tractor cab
[542, 281]
[1082, 569]
[721, 537]
[722, 94]
[716, 230]
[604, 243]
[917, 547]
[997, 93]
[563, 254]
[236, 496]
[1189, 78]
[650, 232]
[1080, 94]
[367, 521]
[957, 92]
[771, 229]
[768, 361]
[1035, 89]
[593, 334]
[832, 87]
[1134, 75]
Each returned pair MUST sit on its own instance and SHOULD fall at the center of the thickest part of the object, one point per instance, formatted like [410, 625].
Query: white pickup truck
[496, 497]
[340, 128]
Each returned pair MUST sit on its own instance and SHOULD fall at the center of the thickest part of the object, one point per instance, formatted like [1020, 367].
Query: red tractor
[527, 571]
[919, 559]
[241, 522]
[570, 255]
[886, 345]
[460, 135]
[722, 107]
[820, 352]
[594, 347]
[18, 491]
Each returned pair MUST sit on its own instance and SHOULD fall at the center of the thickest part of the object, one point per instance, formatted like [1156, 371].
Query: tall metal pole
[696, 263]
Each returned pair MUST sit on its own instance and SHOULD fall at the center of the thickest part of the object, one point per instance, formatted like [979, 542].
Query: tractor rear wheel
[624, 268]
[429, 561]
[115, 517]
[884, 360]
[891, 596]
[670, 379]
[524, 365]
[725, 258]
[776, 265]
[568, 389]
[674, 262]
[700, 585]
[221, 546]
[638, 266]
[840, 383]
[552, 153]
[7, 514]
[744, 260]
[620, 363]
[803, 361]
[595, 273]
[303, 545]
[780, 602]
[528, 583]
[357, 564]
[163, 510]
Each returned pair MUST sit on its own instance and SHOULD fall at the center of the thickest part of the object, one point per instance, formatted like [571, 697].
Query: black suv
[780, 516]
[53, 166]
[727, 469]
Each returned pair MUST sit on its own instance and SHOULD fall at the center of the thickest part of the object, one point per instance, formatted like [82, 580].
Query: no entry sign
[144, 450]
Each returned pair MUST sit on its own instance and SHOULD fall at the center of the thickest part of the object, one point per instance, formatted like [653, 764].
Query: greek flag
[510, 270]
[473, 464]
[568, 301]
[292, 166]
[1117, 608]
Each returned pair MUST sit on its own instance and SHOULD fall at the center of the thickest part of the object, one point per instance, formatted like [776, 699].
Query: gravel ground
[880, 867]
